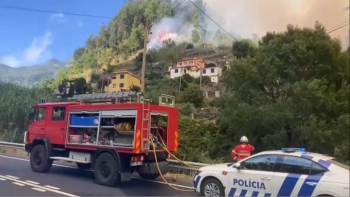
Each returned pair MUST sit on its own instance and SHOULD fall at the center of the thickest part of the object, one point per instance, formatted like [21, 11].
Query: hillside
[30, 75]
[118, 44]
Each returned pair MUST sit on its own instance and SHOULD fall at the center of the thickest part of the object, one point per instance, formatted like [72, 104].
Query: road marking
[1, 179]
[20, 184]
[32, 182]
[64, 166]
[51, 187]
[38, 189]
[164, 183]
[13, 177]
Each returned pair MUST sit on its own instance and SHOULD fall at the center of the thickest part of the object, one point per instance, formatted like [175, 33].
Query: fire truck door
[37, 124]
[56, 125]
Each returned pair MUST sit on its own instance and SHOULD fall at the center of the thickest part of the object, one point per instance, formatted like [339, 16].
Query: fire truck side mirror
[31, 115]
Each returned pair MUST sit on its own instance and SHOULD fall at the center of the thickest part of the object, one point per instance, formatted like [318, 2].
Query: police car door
[297, 176]
[253, 177]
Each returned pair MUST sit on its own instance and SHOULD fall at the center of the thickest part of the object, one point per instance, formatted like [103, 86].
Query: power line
[343, 23]
[52, 12]
[337, 28]
[179, 4]
[213, 21]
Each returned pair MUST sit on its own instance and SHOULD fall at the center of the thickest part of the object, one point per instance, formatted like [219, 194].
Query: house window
[204, 71]
[121, 85]
[114, 86]
[176, 70]
[121, 76]
[191, 62]
[184, 70]
[180, 64]
[212, 70]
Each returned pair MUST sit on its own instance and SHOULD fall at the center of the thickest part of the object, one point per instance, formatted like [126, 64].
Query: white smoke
[169, 28]
[243, 18]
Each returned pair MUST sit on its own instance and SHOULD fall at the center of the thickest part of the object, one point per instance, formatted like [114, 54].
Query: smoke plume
[248, 18]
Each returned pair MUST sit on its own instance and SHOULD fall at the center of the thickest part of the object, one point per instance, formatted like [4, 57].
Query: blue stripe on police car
[288, 185]
[309, 185]
[197, 181]
[243, 193]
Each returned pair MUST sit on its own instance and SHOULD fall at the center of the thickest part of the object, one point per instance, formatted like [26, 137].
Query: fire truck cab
[114, 134]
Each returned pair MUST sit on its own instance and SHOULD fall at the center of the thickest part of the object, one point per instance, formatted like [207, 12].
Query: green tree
[195, 36]
[295, 93]
[15, 104]
[244, 48]
[193, 94]
[78, 53]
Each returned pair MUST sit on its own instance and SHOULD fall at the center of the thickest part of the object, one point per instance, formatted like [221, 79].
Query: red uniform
[242, 151]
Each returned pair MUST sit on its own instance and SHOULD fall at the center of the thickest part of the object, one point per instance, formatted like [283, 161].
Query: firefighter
[242, 150]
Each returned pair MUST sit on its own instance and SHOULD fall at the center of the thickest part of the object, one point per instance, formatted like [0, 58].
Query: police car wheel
[212, 187]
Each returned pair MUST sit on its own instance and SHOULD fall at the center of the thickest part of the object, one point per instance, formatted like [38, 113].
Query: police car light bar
[293, 149]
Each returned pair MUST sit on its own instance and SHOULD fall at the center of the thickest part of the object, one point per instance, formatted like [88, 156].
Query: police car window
[261, 163]
[317, 168]
[40, 113]
[296, 165]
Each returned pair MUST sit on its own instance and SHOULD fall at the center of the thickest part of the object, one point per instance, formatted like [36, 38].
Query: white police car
[288, 172]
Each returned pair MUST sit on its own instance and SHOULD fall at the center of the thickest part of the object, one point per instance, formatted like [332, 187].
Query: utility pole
[143, 70]
[200, 78]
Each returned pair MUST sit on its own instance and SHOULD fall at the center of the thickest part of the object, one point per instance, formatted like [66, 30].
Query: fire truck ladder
[145, 126]
[113, 97]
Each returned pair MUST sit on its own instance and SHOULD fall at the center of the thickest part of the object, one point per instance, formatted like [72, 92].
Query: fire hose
[179, 160]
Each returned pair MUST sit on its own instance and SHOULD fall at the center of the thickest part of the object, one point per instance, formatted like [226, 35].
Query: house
[196, 68]
[189, 66]
[212, 70]
[122, 80]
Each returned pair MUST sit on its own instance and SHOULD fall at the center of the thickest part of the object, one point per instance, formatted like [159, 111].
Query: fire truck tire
[84, 166]
[39, 162]
[106, 170]
[149, 176]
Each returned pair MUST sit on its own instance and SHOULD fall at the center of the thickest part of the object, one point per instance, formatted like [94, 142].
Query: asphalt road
[17, 188]
[66, 180]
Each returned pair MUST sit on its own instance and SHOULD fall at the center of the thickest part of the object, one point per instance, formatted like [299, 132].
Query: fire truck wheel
[39, 162]
[149, 176]
[106, 170]
[84, 166]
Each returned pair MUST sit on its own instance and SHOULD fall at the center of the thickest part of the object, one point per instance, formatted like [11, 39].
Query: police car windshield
[339, 163]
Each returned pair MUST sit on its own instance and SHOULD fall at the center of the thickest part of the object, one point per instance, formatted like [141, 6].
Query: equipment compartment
[84, 120]
[117, 131]
[102, 128]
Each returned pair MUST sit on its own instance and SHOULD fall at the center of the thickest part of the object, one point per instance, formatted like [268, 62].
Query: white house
[210, 70]
[213, 73]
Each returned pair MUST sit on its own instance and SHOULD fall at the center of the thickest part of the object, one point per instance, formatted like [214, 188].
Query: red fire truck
[114, 134]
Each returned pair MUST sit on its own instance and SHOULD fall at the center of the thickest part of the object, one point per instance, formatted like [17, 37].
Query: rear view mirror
[237, 166]
[31, 115]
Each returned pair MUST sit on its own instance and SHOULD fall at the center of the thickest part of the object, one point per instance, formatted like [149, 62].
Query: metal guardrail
[173, 163]
[12, 145]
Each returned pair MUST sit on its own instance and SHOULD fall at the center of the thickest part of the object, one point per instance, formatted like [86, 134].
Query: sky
[29, 37]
